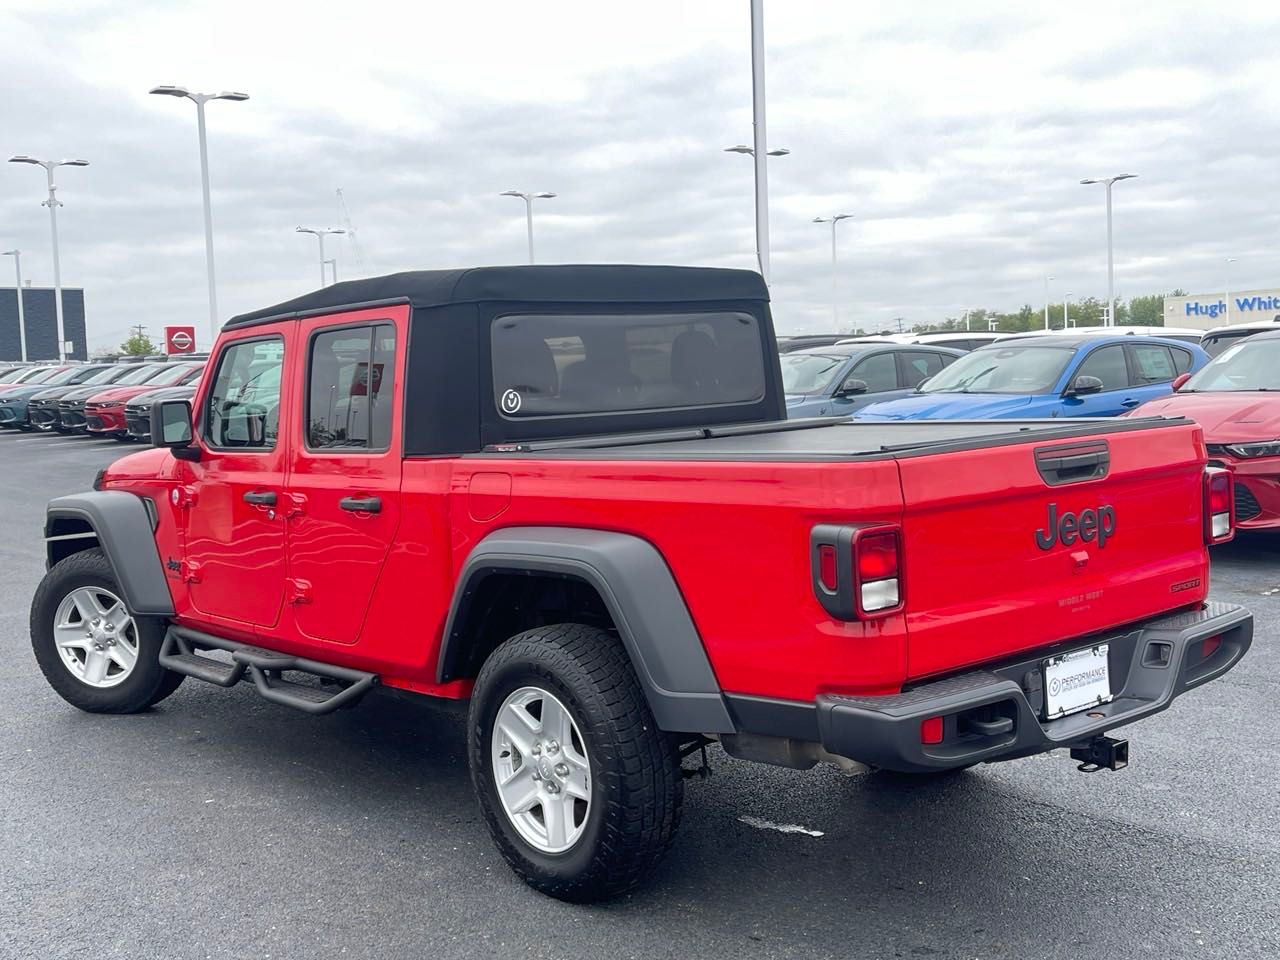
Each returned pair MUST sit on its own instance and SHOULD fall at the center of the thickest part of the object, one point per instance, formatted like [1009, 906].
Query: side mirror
[852, 388]
[1180, 380]
[1083, 386]
[171, 428]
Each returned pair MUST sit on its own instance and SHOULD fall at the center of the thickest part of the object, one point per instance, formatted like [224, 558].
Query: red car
[1236, 399]
[570, 496]
[104, 412]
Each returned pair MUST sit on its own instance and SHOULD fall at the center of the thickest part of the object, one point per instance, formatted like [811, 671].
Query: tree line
[1145, 311]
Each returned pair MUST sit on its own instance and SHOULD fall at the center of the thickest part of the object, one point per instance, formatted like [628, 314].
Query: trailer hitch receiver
[1101, 753]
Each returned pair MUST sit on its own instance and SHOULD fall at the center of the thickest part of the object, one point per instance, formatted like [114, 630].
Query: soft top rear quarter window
[549, 365]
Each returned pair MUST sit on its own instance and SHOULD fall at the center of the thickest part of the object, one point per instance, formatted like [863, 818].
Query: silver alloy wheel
[96, 637]
[540, 770]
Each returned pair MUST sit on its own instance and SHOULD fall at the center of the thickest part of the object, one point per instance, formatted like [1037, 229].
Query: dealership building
[41, 323]
[1207, 310]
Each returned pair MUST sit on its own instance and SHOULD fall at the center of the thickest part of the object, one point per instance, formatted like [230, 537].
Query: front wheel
[95, 653]
[580, 789]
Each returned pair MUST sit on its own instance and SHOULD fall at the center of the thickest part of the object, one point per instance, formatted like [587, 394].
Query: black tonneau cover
[825, 439]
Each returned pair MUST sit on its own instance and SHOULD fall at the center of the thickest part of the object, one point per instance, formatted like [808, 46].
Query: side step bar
[265, 668]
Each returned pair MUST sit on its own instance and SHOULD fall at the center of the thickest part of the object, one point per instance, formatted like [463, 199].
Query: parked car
[1083, 376]
[1236, 401]
[137, 412]
[30, 375]
[803, 341]
[13, 401]
[837, 381]
[42, 407]
[1218, 339]
[580, 482]
[8, 369]
[104, 411]
[70, 408]
[1185, 334]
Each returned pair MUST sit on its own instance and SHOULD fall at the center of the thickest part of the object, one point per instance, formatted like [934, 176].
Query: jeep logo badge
[1089, 525]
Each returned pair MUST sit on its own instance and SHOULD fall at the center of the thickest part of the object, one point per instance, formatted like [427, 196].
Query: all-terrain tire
[636, 783]
[146, 684]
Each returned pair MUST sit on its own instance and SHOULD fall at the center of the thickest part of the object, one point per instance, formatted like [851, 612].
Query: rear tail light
[1219, 505]
[857, 570]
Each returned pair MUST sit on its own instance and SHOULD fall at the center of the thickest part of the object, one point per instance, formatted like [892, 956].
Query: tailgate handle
[1073, 464]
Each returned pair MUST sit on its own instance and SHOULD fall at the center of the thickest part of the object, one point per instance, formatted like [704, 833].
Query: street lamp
[320, 235]
[1067, 322]
[835, 275]
[762, 189]
[1111, 300]
[22, 323]
[1227, 285]
[200, 99]
[53, 203]
[750, 151]
[1046, 301]
[528, 199]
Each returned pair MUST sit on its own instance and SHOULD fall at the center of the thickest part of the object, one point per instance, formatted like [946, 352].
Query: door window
[918, 365]
[1181, 359]
[1107, 364]
[1153, 363]
[347, 408]
[880, 373]
[244, 405]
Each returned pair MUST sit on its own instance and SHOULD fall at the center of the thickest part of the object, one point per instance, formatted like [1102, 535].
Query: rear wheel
[95, 653]
[580, 789]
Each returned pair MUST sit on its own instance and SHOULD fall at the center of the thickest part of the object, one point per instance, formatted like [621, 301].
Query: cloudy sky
[955, 133]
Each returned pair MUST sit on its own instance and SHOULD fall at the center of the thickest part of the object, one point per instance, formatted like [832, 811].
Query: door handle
[361, 504]
[1131, 402]
[261, 498]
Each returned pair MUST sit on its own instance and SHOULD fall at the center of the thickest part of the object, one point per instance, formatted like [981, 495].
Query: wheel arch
[610, 574]
[123, 527]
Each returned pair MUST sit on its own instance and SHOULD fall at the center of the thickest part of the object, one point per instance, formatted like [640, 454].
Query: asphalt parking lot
[220, 826]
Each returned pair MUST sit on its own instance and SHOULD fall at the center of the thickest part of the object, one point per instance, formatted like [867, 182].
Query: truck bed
[827, 439]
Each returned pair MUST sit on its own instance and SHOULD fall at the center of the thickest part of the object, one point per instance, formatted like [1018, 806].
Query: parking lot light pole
[1111, 279]
[53, 203]
[528, 199]
[1046, 301]
[200, 99]
[1066, 321]
[1227, 285]
[333, 264]
[320, 235]
[835, 273]
[22, 323]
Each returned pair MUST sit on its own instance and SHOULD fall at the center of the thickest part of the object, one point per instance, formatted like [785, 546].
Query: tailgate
[988, 573]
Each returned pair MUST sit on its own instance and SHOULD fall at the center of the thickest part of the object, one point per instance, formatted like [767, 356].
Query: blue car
[836, 381]
[13, 400]
[1053, 376]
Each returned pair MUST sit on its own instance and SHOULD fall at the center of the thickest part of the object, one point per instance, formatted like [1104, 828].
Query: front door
[234, 558]
[344, 482]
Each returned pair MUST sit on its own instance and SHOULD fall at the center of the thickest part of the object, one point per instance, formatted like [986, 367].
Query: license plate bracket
[1076, 680]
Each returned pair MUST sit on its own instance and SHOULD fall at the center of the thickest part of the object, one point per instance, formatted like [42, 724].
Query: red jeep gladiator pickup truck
[569, 496]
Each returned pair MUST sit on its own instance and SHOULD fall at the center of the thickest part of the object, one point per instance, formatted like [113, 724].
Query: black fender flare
[641, 595]
[126, 533]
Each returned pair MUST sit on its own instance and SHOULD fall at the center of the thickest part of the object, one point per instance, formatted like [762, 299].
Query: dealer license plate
[1076, 681]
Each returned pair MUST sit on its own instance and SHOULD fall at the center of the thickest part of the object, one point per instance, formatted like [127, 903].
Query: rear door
[344, 478]
[234, 553]
[1004, 553]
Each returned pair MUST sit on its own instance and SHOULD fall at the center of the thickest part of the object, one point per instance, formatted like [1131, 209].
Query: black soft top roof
[568, 283]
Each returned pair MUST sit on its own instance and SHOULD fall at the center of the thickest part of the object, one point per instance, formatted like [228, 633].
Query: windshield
[1246, 365]
[140, 374]
[106, 375]
[172, 375]
[810, 372]
[1009, 369]
[40, 375]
